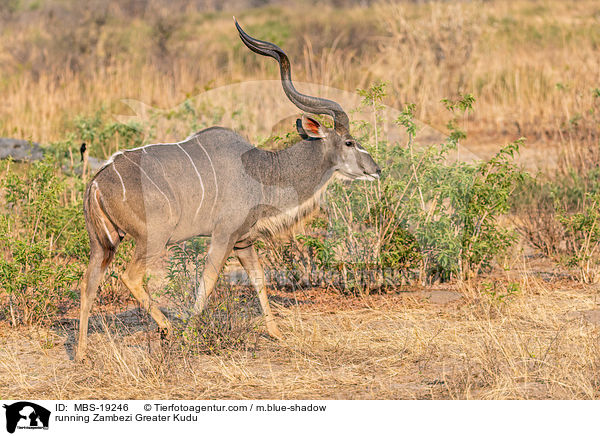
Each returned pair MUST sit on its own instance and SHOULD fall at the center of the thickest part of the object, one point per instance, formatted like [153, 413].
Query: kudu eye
[349, 143]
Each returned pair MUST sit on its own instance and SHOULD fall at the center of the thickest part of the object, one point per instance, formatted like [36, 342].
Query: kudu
[215, 184]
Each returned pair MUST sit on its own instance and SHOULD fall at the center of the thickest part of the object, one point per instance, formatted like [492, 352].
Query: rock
[95, 164]
[23, 150]
[20, 149]
[439, 296]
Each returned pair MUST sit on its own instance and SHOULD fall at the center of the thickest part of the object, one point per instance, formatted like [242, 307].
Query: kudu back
[215, 184]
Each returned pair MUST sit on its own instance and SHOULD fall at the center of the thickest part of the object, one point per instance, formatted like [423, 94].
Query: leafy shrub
[42, 240]
[582, 234]
[105, 138]
[429, 217]
[501, 293]
[451, 208]
[102, 137]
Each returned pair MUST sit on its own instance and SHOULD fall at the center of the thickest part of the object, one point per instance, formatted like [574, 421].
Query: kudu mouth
[314, 105]
[364, 176]
[369, 177]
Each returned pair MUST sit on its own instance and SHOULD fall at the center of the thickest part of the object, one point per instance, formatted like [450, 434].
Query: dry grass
[541, 342]
[530, 64]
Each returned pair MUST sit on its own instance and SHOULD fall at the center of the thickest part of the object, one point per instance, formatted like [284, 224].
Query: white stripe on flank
[160, 190]
[199, 178]
[95, 184]
[212, 167]
[143, 148]
[121, 179]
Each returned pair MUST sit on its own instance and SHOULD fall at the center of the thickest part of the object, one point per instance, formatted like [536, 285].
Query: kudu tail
[101, 230]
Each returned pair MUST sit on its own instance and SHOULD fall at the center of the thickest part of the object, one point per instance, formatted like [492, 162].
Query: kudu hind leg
[99, 259]
[133, 279]
[251, 263]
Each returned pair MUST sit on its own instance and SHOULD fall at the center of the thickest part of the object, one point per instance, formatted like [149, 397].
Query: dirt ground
[468, 340]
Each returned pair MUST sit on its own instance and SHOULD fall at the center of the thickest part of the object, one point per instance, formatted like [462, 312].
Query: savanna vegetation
[469, 270]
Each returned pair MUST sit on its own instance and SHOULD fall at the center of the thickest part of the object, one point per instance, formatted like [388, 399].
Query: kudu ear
[300, 129]
[310, 128]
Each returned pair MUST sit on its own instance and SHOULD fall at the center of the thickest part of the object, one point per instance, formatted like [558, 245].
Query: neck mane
[294, 180]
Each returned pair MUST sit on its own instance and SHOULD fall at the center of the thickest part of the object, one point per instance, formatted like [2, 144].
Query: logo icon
[26, 415]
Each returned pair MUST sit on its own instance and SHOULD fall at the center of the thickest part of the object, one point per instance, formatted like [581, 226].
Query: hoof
[275, 333]
[165, 333]
[81, 358]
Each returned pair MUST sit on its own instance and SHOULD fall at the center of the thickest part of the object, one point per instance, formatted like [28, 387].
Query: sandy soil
[451, 341]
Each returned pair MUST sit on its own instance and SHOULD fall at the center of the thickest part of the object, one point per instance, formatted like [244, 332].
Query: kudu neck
[304, 167]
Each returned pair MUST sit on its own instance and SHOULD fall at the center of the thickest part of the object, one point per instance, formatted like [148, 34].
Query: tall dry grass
[531, 65]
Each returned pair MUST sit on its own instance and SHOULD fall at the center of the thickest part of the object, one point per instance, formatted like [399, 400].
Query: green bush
[102, 137]
[582, 235]
[43, 243]
[429, 217]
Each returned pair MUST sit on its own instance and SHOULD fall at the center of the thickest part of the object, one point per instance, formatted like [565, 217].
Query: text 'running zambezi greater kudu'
[214, 183]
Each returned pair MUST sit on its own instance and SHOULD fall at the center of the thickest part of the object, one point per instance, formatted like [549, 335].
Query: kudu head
[348, 158]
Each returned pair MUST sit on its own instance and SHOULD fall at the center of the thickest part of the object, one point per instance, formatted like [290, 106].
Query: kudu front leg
[220, 249]
[251, 263]
[133, 279]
